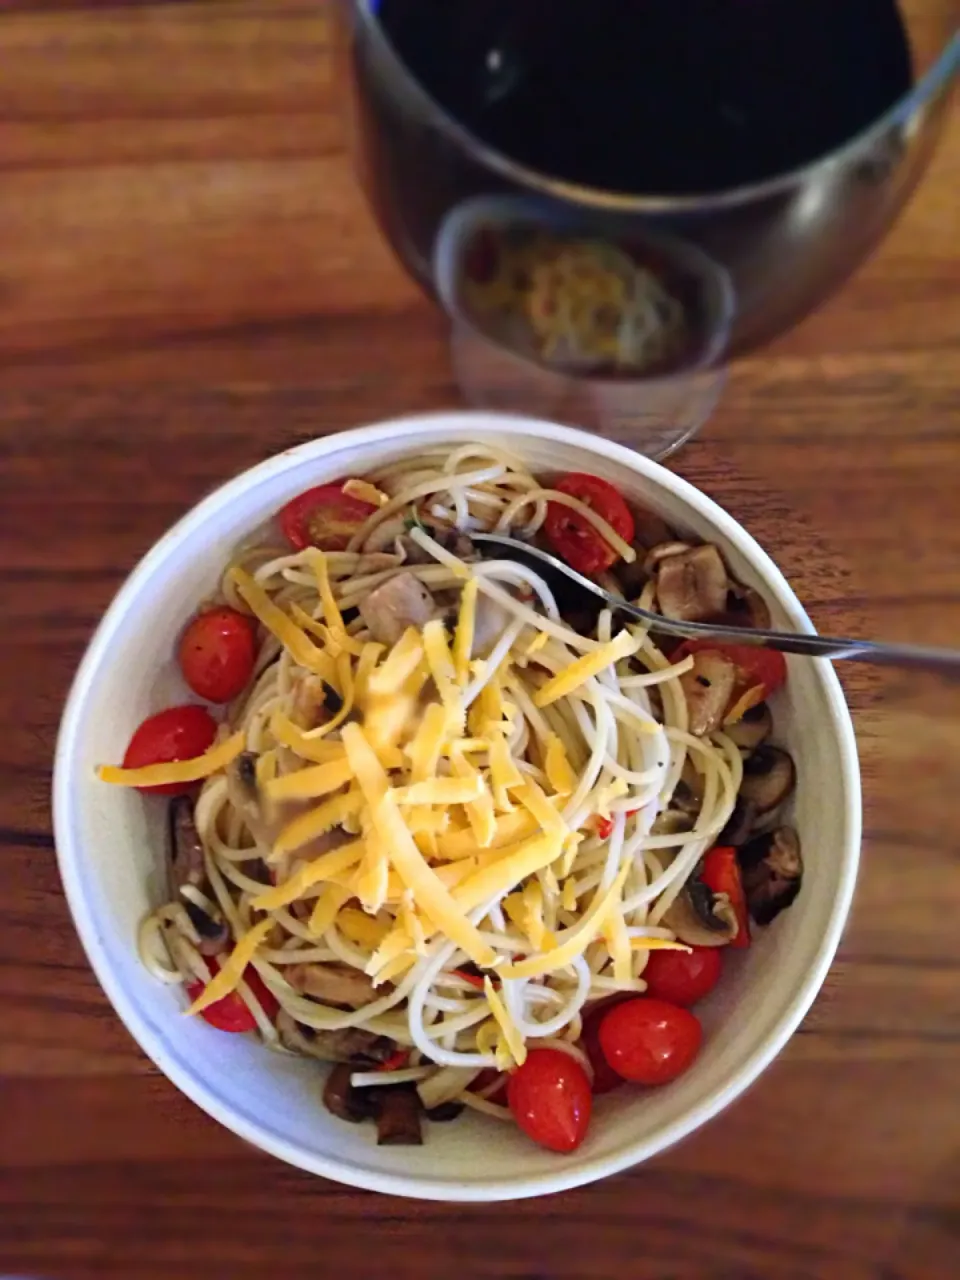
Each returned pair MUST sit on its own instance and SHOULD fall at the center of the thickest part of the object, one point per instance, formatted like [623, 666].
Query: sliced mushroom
[740, 825]
[701, 918]
[768, 778]
[746, 608]
[351, 1044]
[244, 794]
[445, 1112]
[692, 586]
[401, 602]
[398, 1117]
[315, 702]
[187, 864]
[772, 870]
[752, 729]
[708, 687]
[663, 551]
[212, 929]
[343, 1100]
[189, 876]
[247, 772]
[335, 984]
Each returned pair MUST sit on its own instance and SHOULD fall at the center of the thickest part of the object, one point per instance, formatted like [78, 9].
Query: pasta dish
[455, 831]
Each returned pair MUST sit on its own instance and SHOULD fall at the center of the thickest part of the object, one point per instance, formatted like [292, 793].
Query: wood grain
[189, 282]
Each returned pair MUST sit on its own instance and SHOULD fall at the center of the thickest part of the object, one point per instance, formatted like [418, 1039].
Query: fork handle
[914, 657]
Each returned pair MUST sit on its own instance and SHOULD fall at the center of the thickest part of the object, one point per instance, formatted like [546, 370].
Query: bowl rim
[70, 855]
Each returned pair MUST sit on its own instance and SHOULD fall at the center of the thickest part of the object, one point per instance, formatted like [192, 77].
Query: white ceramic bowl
[110, 845]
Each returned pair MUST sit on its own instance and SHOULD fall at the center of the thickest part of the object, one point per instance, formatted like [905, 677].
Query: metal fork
[914, 656]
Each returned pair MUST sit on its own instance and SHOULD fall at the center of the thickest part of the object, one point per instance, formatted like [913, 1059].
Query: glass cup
[715, 275]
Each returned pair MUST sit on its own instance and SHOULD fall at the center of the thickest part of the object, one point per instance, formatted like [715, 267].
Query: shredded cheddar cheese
[326, 867]
[559, 773]
[442, 669]
[309, 784]
[292, 637]
[316, 822]
[429, 893]
[583, 669]
[445, 791]
[232, 969]
[365, 930]
[576, 939]
[657, 944]
[400, 664]
[326, 909]
[479, 807]
[513, 1038]
[158, 775]
[466, 625]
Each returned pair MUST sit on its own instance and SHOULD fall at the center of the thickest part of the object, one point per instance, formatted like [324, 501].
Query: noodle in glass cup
[111, 841]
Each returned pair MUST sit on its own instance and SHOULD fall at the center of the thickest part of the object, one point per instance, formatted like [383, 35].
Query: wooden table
[189, 282]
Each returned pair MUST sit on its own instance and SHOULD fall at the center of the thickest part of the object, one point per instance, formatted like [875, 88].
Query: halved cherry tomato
[179, 733]
[765, 669]
[650, 1041]
[230, 1013]
[573, 537]
[324, 517]
[721, 874]
[217, 653]
[683, 977]
[550, 1099]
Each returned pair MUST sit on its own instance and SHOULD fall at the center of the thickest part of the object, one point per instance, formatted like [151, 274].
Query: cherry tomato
[650, 1041]
[217, 653]
[230, 1013]
[550, 1099]
[324, 517]
[764, 669]
[179, 733]
[573, 537]
[683, 977]
[721, 874]
[605, 1079]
